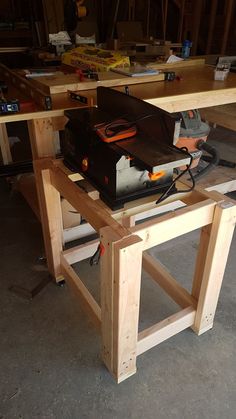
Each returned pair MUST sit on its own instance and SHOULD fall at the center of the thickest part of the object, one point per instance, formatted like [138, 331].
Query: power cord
[171, 190]
[116, 127]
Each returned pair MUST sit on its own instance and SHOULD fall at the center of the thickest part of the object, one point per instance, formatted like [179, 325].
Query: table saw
[124, 146]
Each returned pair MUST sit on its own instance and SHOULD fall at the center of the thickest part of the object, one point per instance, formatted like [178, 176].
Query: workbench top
[194, 88]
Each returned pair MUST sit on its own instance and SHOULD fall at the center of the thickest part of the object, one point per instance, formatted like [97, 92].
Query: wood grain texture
[218, 246]
[63, 83]
[5, 145]
[223, 115]
[196, 89]
[165, 329]
[169, 226]
[120, 287]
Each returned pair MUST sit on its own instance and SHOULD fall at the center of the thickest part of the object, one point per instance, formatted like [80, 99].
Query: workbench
[123, 247]
[125, 244]
[196, 88]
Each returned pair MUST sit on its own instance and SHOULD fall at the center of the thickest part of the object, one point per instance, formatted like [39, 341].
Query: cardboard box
[95, 59]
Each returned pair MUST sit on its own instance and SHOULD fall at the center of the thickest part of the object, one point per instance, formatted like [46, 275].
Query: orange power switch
[156, 176]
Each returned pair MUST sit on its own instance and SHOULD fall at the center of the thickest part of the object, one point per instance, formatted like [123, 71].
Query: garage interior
[51, 363]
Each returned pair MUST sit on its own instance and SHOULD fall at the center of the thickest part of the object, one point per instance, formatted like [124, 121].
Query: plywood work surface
[196, 88]
[61, 83]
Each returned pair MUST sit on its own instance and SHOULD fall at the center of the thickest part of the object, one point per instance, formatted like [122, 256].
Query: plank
[221, 179]
[191, 62]
[194, 100]
[76, 233]
[120, 287]
[167, 282]
[5, 145]
[51, 220]
[224, 188]
[97, 216]
[26, 185]
[88, 302]
[172, 225]
[41, 138]
[4, 50]
[81, 252]
[165, 329]
[214, 265]
[26, 87]
[223, 115]
[197, 89]
[201, 260]
[63, 83]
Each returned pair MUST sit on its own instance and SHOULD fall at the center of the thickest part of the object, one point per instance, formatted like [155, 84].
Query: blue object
[186, 48]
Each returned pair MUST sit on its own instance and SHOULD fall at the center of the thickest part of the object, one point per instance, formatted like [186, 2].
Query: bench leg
[214, 248]
[120, 297]
[51, 219]
[4, 145]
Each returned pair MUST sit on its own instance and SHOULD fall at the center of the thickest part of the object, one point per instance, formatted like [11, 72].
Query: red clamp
[80, 74]
[96, 257]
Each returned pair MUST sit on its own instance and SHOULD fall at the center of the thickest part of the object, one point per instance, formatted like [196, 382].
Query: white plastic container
[221, 72]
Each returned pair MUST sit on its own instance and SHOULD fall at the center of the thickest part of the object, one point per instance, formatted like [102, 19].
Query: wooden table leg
[216, 247]
[5, 145]
[51, 219]
[201, 260]
[120, 296]
[41, 135]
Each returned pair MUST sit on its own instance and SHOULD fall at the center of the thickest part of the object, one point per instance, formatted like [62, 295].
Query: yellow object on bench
[94, 58]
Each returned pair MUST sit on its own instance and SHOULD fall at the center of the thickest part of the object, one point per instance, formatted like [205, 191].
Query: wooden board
[221, 179]
[221, 115]
[7, 50]
[63, 83]
[22, 84]
[192, 62]
[197, 89]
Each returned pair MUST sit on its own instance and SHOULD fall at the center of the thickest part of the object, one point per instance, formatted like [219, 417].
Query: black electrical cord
[171, 190]
[214, 159]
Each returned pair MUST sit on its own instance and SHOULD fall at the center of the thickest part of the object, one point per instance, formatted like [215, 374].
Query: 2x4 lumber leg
[121, 267]
[201, 260]
[41, 137]
[5, 145]
[214, 265]
[51, 220]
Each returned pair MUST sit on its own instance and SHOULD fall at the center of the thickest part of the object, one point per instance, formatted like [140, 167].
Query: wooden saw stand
[125, 247]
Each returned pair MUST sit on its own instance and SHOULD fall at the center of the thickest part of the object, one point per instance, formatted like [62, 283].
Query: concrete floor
[50, 365]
